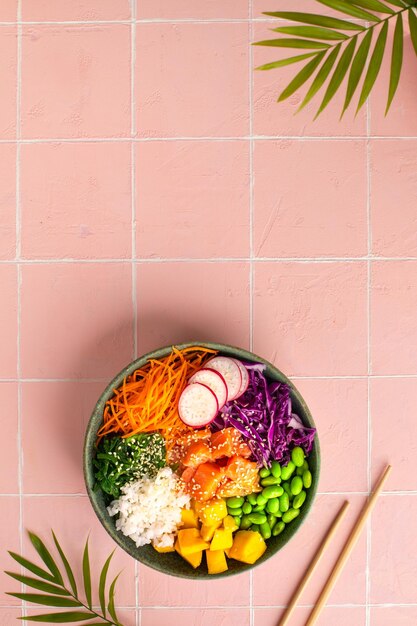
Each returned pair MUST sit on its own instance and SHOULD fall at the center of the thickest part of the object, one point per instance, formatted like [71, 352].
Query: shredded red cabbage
[264, 416]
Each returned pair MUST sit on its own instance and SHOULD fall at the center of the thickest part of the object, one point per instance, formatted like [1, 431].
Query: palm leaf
[102, 584]
[292, 43]
[373, 5]
[111, 607]
[38, 571]
[322, 74]
[349, 9]
[312, 32]
[38, 584]
[357, 68]
[396, 3]
[46, 557]
[87, 575]
[396, 60]
[318, 20]
[301, 77]
[374, 65]
[38, 598]
[284, 62]
[412, 21]
[67, 566]
[60, 618]
[339, 74]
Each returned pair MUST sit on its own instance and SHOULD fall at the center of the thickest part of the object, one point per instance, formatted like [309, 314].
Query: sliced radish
[197, 405]
[214, 381]
[245, 378]
[230, 371]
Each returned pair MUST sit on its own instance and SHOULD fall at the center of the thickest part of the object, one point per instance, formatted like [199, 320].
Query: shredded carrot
[147, 400]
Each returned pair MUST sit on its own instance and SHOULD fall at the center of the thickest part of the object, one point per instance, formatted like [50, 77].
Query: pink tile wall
[152, 191]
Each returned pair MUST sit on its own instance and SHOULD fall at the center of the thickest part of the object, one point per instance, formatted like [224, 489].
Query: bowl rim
[90, 437]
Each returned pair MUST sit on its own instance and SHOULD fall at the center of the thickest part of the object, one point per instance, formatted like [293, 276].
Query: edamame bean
[299, 500]
[273, 506]
[290, 515]
[274, 491]
[286, 487]
[305, 465]
[237, 521]
[276, 469]
[299, 471]
[270, 480]
[265, 530]
[297, 456]
[272, 520]
[245, 523]
[278, 528]
[287, 470]
[257, 518]
[296, 485]
[255, 528]
[264, 472]
[247, 508]
[235, 512]
[284, 502]
[252, 499]
[261, 500]
[235, 502]
[259, 508]
[307, 479]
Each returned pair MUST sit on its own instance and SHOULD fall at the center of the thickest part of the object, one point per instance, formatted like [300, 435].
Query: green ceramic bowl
[172, 563]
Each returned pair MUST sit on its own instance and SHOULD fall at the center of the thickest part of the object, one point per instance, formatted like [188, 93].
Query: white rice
[150, 509]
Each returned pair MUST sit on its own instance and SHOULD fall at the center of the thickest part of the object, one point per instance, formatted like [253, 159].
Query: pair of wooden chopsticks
[343, 557]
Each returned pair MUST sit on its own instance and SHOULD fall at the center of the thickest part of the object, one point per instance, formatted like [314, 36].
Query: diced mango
[207, 530]
[227, 552]
[164, 549]
[230, 524]
[189, 518]
[247, 546]
[193, 559]
[222, 539]
[212, 511]
[190, 541]
[216, 561]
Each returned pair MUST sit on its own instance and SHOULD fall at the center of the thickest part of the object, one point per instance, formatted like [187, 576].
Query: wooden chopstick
[317, 557]
[347, 549]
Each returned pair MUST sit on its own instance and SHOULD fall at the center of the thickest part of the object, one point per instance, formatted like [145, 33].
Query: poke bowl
[201, 460]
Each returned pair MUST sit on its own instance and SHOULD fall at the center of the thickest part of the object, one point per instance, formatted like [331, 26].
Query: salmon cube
[197, 453]
[223, 443]
[203, 485]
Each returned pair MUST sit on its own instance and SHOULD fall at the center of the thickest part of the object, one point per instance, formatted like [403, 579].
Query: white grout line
[369, 365]
[386, 605]
[243, 259]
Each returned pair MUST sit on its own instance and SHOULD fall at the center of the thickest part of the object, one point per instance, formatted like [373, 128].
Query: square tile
[394, 434]
[400, 121]
[8, 75]
[54, 419]
[73, 519]
[76, 81]
[294, 558]
[331, 615]
[156, 589]
[76, 320]
[310, 6]
[340, 410]
[127, 615]
[8, 616]
[82, 10]
[318, 209]
[393, 319]
[394, 184]
[9, 458]
[196, 617]
[201, 209]
[192, 302]
[8, 11]
[279, 119]
[8, 201]
[393, 564]
[310, 318]
[8, 316]
[76, 200]
[9, 533]
[186, 9]
[192, 80]
[390, 615]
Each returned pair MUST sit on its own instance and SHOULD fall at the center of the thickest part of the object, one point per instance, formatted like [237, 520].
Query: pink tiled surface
[152, 191]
